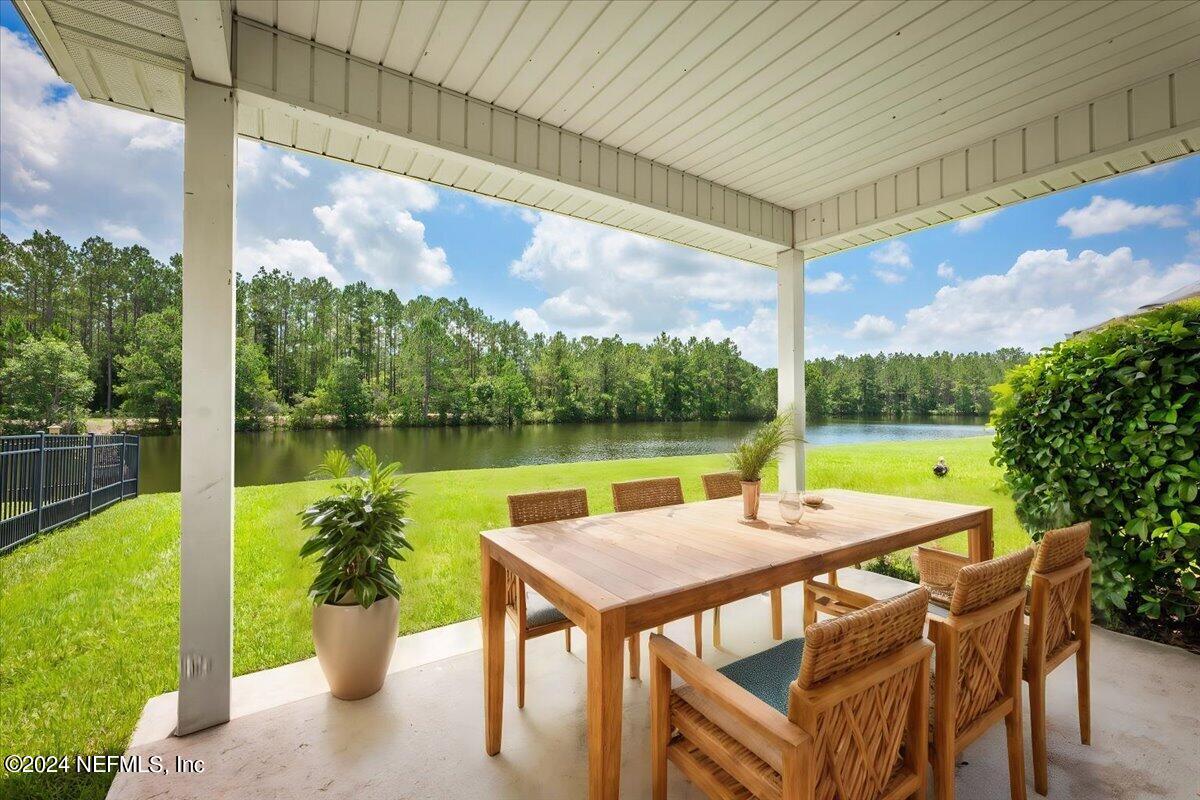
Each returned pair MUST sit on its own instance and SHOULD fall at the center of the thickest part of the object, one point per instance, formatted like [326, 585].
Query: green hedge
[1103, 427]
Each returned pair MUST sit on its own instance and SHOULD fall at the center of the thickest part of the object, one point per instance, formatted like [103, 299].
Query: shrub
[1103, 427]
[46, 381]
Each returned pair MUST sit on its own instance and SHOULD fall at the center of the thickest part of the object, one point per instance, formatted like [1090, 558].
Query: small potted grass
[357, 533]
[752, 454]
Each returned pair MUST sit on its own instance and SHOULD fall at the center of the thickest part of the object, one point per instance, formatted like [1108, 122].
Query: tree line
[96, 329]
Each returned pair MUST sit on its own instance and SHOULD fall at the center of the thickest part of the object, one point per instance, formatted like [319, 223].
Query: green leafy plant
[359, 531]
[761, 446]
[336, 464]
[1103, 427]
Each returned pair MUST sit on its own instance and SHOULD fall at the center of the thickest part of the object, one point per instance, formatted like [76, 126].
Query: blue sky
[1024, 276]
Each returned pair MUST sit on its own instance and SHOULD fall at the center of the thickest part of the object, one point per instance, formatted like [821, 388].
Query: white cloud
[252, 159]
[29, 216]
[829, 282]
[602, 281]
[291, 163]
[166, 137]
[894, 260]
[60, 151]
[300, 257]
[945, 271]
[282, 182]
[28, 179]
[531, 321]
[1044, 296]
[758, 339]
[974, 222]
[1104, 215]
[1196, 207]
[872, 326]
[121, 232]
[1193, 240]
[371, 221]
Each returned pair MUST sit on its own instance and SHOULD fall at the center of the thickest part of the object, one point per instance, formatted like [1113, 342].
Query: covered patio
[770, 133]
[421, 735]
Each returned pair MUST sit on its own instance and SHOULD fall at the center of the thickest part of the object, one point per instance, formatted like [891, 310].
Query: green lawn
[89, 615]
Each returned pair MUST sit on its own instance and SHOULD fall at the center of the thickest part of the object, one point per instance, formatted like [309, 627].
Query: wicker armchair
[937, 569]
[729, 484]
[531, 614]
[977, 679]
[840, 713]
[1060, 624]
[636, 496]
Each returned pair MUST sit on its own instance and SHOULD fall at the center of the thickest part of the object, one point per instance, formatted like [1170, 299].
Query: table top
[631, 557]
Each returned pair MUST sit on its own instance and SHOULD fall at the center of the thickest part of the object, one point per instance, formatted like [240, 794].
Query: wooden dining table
[617, 575]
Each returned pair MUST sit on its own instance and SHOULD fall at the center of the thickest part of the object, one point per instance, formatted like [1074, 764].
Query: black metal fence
[48, 480]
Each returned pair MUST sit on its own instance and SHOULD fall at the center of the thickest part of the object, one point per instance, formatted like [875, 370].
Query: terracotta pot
[750, 493]
[354, 645]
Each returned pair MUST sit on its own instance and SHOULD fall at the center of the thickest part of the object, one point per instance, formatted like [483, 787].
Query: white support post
[791, 362]
[206, 473]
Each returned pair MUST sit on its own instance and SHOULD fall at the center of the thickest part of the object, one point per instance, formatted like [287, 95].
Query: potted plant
[357, 533]
[753, 453]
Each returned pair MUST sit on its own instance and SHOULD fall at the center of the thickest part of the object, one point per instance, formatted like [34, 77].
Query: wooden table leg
[979, 540]
[493, 647]
[777, 614]
[605, 676]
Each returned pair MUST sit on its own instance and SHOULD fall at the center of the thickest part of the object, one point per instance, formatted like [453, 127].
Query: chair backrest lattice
[1060, 618]
[992, 593]
[721, 484]
[648, 493]
[872, 666]
[1062, 569]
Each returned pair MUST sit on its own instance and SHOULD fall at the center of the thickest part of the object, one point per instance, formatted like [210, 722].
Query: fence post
[41, 476]
[124, 460]
[91, 471]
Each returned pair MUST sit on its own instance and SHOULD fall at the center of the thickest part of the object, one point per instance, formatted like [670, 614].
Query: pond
[283, 456]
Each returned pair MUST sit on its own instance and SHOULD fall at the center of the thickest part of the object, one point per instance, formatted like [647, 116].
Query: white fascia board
[275, 69]
[1145, 124]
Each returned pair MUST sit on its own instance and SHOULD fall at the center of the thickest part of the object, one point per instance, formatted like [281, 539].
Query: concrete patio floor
[421, 736]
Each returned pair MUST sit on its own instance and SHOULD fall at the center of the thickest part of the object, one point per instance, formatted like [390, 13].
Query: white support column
[206, 474]
[791, 362]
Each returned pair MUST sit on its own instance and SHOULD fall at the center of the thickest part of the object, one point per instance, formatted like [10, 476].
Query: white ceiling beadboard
[789, 102]
[864, 118]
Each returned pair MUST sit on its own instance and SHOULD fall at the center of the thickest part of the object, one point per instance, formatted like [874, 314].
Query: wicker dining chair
[840, 713]
[721, 484]
[729, 484]
[977, 666]
[531, 614]
[1060, 624]
[637, 496]
[936, 569]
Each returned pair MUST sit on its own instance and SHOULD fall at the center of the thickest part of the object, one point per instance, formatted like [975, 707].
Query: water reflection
[282, 456]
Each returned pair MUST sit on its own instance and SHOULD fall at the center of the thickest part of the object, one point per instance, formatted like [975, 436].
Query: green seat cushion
[539, 611]
[767, 675]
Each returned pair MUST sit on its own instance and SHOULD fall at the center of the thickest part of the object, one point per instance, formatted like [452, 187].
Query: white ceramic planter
[354, 645]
